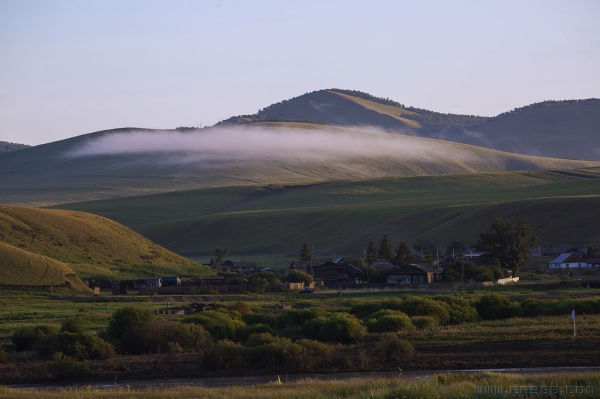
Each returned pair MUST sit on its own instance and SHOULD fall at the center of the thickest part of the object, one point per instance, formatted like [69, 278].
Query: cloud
[242, 143]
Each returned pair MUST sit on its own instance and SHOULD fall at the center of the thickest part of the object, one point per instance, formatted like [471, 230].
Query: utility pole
[462, 278]
[574, 330]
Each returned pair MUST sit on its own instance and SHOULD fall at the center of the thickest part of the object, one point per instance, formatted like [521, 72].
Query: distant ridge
[564, 129]
[6, 146]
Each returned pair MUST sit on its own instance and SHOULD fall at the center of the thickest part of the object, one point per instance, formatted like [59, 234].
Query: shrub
[258, 339]
[391, 323]
[425, 307]
[282, 352]
[80, 346]
[495, 307]
[241, 307]
[25, 338]
[312, 328]
[64, 366]
[246, 331]
[226, 354]
[423, 322]
[254, 318]
[72, 325]
[393, 348]
[459, 310]
[220, 324]
[314, 354]
[294, 318]
[126, 318]
[342, 327]
[297, 276]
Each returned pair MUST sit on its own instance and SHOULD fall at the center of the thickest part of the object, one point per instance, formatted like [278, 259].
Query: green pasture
[341, 217]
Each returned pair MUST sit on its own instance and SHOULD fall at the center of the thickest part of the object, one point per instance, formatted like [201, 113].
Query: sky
[73, 67]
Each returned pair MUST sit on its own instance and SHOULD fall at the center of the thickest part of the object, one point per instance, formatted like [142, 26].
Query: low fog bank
[242, 143]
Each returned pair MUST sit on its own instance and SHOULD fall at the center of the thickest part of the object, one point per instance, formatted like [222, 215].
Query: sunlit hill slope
[40, 246]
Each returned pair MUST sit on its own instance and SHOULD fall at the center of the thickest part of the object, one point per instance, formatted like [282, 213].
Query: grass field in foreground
[342, 217]
[447, 385]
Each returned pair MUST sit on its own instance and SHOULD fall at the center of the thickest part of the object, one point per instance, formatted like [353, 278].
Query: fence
[220, 289]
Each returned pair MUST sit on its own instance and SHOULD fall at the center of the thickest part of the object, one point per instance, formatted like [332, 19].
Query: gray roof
[563, 257]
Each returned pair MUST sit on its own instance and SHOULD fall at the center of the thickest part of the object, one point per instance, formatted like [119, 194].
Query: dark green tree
[508, 243]
[590, 252]
[428, 258]
[386, 249]
[403, 255]
[371, 254]
[305, 252]
[424, 245]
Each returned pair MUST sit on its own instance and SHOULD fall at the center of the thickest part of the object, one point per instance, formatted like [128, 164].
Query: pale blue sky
[74, 67]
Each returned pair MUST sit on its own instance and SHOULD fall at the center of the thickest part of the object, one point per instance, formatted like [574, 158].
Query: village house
[240, 266]
[417, 273]
[381, 264]
[306, 266]
[593, 262]
[557, 250]
[567, 260]
[334, 273]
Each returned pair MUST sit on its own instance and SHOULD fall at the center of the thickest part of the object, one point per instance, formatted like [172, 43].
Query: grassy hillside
[342, 217]
[567, 129]
[90, 245]
[23, 268]
[45, 175]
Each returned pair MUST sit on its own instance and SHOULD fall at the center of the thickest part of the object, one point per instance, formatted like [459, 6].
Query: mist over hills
[565, 129]
[130, 162]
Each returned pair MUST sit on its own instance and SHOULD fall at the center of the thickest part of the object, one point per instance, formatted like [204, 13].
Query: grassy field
[40, 247]
[341, 217]
[580, 385]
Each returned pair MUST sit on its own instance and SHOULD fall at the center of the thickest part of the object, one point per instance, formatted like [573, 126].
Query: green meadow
[341, 217]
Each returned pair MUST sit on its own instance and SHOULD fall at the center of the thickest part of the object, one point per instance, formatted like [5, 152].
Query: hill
[131, 162]
[43, 246]
[341, 217]
[6, 146]
[564, 129]
[25, 269]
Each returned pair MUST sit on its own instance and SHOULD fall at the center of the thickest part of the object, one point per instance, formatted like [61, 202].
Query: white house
[567, 261]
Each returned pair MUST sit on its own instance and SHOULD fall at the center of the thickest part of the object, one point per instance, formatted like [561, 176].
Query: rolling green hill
[132, 162]
[342, 217]
[41, 245]
[23, 268]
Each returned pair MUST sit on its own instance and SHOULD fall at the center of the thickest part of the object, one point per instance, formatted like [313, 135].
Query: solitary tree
[508, 243]
[305, 252]
[386, 249]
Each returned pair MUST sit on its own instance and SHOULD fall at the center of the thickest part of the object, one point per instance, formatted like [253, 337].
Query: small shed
[171, 281]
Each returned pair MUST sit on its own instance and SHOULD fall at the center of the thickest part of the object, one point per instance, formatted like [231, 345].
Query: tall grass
[444, 385]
